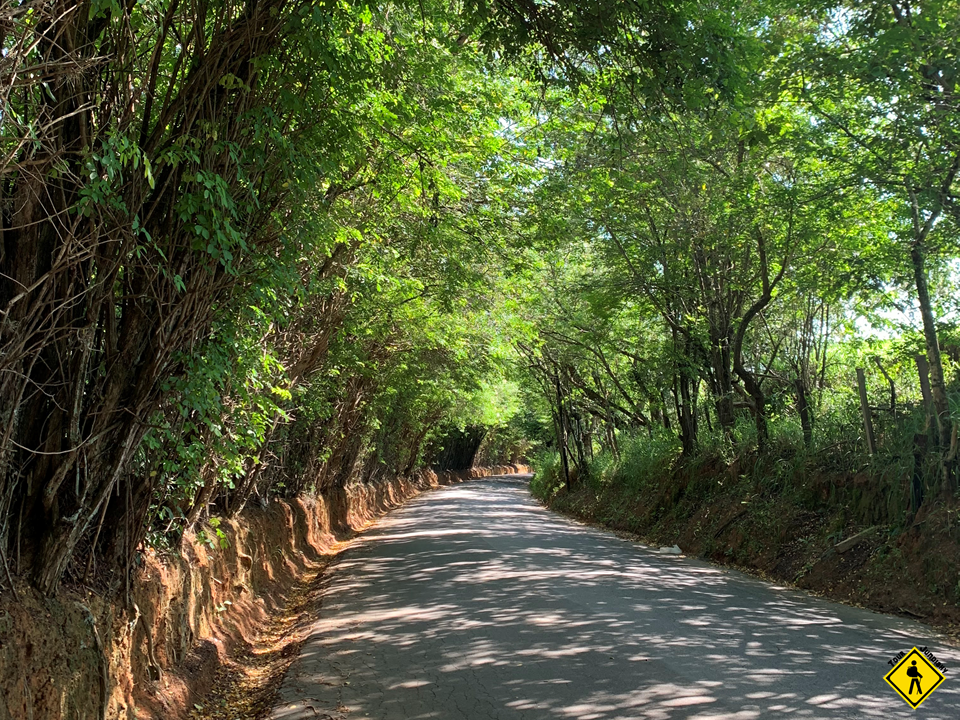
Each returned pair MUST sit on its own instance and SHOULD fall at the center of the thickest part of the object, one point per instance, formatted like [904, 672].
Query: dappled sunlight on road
[474, 602]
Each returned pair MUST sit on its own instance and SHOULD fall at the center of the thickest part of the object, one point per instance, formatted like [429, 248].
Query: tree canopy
[275, 247]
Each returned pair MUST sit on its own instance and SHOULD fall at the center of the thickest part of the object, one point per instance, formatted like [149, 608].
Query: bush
[547, 474]
[645, 460]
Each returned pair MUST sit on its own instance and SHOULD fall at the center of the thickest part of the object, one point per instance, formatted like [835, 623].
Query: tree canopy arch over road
[277, 246]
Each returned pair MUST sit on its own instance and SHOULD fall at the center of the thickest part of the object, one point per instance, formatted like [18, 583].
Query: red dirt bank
[78, 657]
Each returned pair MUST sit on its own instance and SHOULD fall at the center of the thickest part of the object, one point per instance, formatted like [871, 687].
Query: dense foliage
[716, 274]
[238, 254]
[270, 247]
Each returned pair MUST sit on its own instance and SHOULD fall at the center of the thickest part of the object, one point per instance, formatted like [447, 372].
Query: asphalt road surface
[473, 602]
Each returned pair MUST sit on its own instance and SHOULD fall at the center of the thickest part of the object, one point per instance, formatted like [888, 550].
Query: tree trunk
[562, 434]
[724, 401]
[686, 416]
[938, 386]
[754, 390]
[923, 370]
[665, 414]
[751, 382]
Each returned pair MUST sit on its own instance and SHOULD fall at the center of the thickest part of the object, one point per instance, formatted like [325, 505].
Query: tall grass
[833, 471]
[643, 460]
[547, 474]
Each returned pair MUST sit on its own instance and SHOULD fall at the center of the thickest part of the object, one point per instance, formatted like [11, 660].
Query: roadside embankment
[78, 656]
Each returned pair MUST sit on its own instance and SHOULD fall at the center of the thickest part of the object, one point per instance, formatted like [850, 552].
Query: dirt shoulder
[246, 683]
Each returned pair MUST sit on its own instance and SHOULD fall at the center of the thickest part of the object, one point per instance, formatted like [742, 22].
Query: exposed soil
[909, 569]
[214, 626]
[246, 683]
[63, 632]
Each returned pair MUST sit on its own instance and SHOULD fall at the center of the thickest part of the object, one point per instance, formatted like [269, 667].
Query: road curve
[473, 602]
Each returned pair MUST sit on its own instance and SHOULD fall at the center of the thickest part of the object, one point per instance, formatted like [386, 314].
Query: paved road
[472, 602]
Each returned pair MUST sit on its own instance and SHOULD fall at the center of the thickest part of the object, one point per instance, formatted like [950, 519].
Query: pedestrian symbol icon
[914, 678]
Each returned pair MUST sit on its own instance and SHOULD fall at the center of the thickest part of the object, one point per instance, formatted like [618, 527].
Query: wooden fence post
[803, 408]
[865, 409]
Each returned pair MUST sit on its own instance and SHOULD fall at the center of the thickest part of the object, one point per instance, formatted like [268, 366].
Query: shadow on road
[474, 602]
